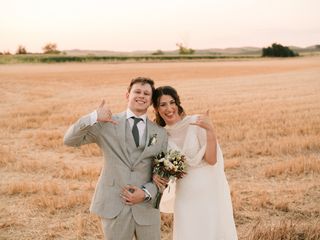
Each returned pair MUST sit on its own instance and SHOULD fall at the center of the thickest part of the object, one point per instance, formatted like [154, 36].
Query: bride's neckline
[180, 124]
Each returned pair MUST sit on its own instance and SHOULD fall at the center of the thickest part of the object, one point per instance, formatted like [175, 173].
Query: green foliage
[21, 50]
[50, 48]
[184, 50]
[40, 58]
[277, 50]
[158, 52]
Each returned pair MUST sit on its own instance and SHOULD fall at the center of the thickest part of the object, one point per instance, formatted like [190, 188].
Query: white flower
[168, 164]
[153, 140]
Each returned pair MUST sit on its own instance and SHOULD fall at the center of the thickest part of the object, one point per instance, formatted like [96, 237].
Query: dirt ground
[266, 114]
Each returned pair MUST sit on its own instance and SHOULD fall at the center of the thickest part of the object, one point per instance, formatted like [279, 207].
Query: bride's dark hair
[165, 90]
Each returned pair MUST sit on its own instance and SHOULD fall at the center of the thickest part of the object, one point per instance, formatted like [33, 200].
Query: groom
[125, 192]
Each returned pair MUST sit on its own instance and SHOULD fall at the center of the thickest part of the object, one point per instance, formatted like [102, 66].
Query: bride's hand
[161, 182]
[204, 121]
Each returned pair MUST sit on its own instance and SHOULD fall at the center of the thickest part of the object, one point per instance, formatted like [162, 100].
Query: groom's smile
[139, 98]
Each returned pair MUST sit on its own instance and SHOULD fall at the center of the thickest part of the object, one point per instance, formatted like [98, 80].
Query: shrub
[21, 50]
[158, 52]
[277, 50]
[50, 48]
[184, 50]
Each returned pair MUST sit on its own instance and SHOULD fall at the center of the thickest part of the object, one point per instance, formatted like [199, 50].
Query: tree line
[49, 48]
[275, 50]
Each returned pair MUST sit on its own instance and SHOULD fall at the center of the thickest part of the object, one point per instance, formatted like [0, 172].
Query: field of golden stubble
[266, 114]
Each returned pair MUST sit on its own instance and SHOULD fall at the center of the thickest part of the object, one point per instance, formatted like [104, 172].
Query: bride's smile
[168, 110]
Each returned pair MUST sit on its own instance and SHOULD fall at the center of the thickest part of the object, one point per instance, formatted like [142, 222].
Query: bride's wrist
[211, 135]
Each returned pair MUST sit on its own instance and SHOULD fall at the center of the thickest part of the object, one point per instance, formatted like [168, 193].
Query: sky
[131, 25]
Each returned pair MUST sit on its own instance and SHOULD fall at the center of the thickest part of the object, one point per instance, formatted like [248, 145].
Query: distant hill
[314, 48]
[231, 51]
[211, 51]
[78, 52]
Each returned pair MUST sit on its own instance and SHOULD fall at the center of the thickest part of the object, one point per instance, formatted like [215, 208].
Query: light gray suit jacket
[119, 170]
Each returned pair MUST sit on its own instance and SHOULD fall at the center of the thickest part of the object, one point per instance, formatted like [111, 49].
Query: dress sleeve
[168, 198]
[196, 145]
[202, 136]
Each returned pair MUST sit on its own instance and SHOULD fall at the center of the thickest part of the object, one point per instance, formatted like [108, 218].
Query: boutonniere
[152, 140]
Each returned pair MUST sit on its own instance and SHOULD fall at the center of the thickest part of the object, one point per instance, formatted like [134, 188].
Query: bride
[202, 204]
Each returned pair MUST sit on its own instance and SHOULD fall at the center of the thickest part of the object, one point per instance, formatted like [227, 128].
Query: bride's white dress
[201, 200]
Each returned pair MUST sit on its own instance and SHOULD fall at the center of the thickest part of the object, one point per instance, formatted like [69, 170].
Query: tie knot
[136, 120]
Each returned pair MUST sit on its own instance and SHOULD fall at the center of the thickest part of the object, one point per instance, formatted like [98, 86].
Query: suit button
[131, 170]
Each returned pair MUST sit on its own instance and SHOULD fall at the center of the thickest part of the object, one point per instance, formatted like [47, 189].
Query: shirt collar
[131, 114]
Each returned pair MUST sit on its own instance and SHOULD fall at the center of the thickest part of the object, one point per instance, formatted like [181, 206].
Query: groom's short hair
[142, 80]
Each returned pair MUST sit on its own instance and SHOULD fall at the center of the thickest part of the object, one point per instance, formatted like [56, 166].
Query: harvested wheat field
[266, 113]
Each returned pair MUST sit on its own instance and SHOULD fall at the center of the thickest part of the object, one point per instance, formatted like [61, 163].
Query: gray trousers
[124, 227]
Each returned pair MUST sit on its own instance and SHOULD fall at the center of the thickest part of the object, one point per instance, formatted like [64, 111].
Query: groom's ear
[127, 95]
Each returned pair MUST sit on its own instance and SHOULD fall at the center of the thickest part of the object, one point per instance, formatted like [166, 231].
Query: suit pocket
[110, 183]
[109, 180]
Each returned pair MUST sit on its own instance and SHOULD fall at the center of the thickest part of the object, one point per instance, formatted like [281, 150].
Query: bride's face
[168, 110]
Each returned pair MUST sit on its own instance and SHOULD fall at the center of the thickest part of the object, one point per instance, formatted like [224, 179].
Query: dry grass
[266, 114]
[285, 230]
[52, 203]
[79, 173]
[7, 156]
[301, 165]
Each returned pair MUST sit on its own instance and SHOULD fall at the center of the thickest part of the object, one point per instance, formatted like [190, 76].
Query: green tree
[21, 50]
[50, 48]
[277, 50]
[158, 52]
[184, 50]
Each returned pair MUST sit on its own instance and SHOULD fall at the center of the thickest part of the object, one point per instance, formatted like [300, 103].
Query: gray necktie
[135, 131]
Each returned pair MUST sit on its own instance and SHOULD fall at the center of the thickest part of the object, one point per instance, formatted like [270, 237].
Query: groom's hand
[104, 113]
[161, 182]
[132, 195]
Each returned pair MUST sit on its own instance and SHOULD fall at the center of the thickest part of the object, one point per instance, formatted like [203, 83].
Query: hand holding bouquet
[168, 165]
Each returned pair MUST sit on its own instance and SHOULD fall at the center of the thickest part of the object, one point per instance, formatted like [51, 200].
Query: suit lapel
[150, 132]
[121, 131]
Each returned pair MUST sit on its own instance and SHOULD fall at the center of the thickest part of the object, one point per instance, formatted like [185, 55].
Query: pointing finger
[102, 103]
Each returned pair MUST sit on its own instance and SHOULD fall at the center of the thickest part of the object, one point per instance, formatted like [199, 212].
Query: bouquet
[168, 165]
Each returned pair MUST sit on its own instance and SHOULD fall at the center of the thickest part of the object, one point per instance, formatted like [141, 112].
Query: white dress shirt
[141, 124]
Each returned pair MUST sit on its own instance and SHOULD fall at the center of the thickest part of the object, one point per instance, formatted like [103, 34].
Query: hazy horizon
[146, 26]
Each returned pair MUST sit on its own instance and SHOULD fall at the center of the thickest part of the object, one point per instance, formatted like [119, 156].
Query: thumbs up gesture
[104, 113]
[204, 121]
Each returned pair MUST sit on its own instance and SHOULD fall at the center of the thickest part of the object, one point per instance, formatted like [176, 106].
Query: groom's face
[139, 98]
